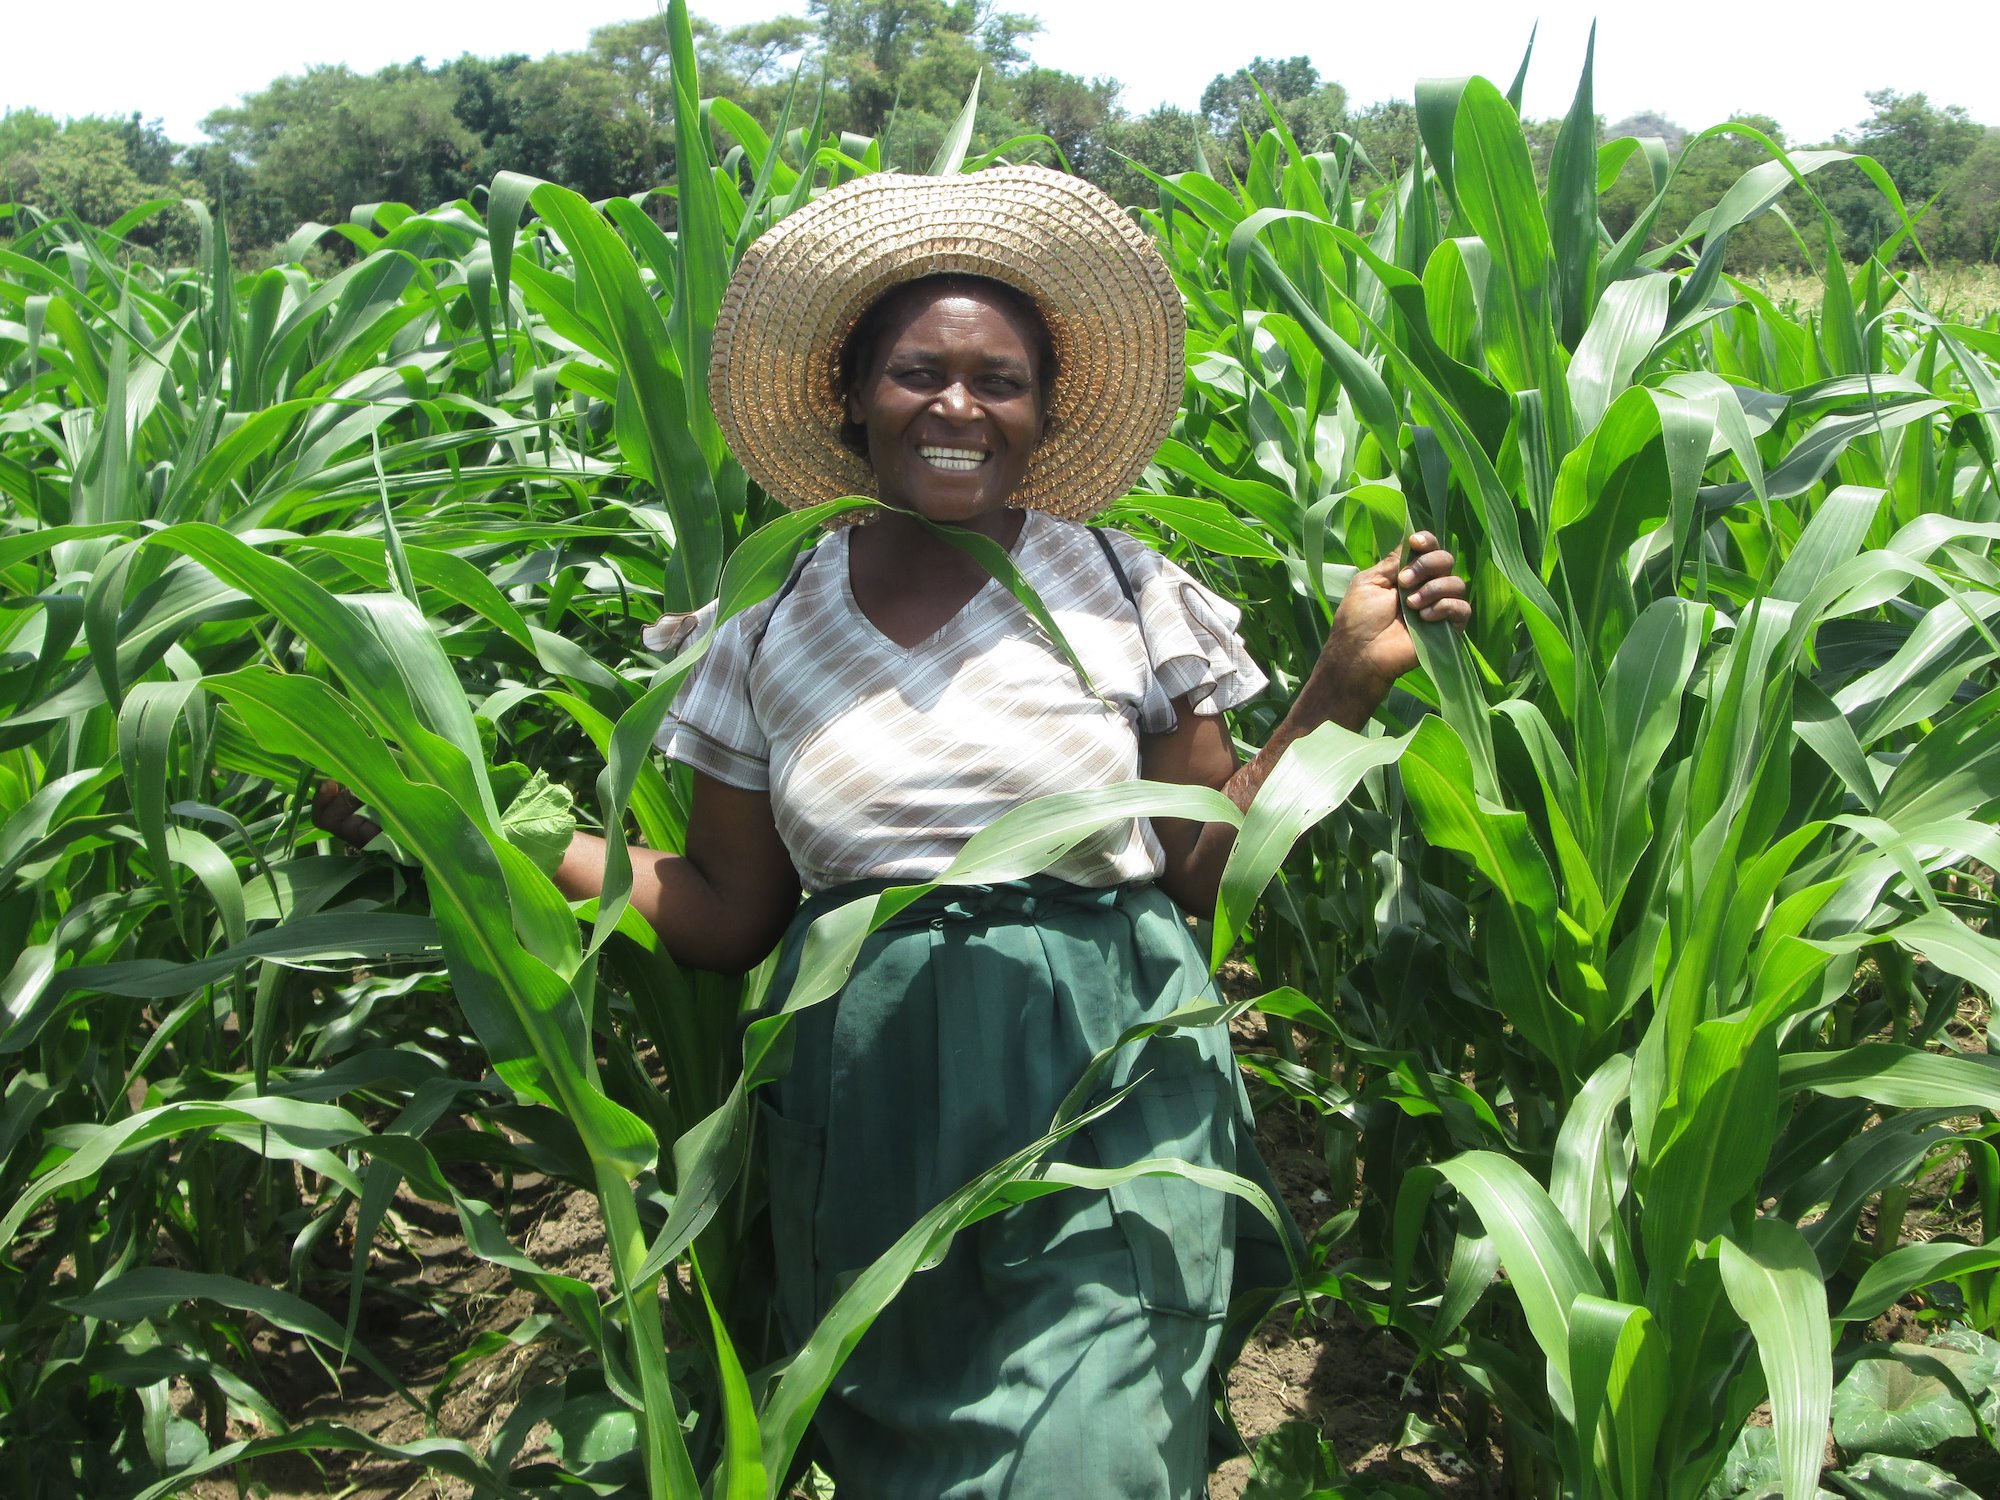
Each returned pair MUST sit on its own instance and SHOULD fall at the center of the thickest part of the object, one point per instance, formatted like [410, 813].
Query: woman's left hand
[1369, 643]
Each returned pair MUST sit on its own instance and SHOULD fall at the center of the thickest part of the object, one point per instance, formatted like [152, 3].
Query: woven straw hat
[1112, 311]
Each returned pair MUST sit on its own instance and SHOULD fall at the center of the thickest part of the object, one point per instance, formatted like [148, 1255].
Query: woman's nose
[954, 401]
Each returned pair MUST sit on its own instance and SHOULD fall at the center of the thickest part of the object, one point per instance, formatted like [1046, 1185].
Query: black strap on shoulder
[1117, 567]
[791, 582]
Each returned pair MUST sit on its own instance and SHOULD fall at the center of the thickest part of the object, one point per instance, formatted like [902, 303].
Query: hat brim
[1113, 314]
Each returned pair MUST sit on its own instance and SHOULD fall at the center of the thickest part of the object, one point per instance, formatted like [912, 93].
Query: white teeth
[952, 460]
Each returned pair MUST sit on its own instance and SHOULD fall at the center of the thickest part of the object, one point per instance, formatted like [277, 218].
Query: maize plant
[1684, 870]
[1627, 957]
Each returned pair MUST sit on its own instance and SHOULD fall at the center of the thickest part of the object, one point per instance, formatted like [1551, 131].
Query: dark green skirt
[1063, 1347]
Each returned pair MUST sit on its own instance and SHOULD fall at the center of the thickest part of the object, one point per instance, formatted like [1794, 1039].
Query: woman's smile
[953, 460]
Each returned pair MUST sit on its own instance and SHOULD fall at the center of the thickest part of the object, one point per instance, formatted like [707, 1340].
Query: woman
[1000, 352]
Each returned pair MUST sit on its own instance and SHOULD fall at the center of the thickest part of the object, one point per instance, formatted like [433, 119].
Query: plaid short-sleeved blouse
[882, 761]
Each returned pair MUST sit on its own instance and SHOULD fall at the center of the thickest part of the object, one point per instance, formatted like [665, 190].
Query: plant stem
[669, 1472]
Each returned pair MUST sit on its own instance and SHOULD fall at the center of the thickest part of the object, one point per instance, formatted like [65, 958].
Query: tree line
[313, 147]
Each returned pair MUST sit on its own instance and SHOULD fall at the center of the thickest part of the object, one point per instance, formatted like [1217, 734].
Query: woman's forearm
[701, 924]
[1367, 649]
[1330, 696]
[1197, 853]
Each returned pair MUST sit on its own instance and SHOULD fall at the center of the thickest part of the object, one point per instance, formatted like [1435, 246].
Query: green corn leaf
[1642, 711]
[445, 1455]
[1889, 1074]
[1437, 116]
[1545, 1265]
[306, 1125]
[1774, 1284]
[1583, 1175]
[1712, 1141]
[1021, 842]
[743, 1476]
[702, 264]
[1572, 207]
[950, 158]
[330, 938]
[146, 725]
[497, 914]
[147, 1292]
[1611, 491]
[1910, 1268]
[1622, 332]
[1207, 523]
[1494, 183]
[1618, 1361]
[659, 408]
[1437, 775]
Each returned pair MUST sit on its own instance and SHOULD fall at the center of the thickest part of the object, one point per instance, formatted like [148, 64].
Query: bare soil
[429, 1298]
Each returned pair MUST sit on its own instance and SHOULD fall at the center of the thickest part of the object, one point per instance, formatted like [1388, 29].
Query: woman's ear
[855, 416]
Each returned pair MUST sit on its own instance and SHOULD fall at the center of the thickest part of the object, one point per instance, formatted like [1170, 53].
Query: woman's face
[951, 402]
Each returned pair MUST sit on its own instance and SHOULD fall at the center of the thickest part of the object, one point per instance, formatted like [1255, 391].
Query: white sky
[1807, 65]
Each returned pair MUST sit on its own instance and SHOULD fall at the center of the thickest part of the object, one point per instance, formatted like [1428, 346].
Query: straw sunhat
[1113, 316]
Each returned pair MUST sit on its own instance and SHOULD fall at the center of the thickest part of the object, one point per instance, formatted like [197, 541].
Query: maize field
[1628, 979]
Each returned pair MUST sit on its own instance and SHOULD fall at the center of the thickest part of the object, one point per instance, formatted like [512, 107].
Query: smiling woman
[999, 352]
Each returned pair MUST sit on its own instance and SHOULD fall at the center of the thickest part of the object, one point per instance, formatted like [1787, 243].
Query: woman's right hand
[337, 811]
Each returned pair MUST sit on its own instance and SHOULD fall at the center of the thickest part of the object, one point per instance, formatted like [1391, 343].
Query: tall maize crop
[1630, 956]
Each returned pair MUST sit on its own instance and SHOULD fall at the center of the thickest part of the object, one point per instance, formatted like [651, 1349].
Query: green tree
[98, 169]
[1314, 110]
[84, 170]
[1969, 203]
[918, 57]
[1166, 139]
[1703, 173]
[1919, 145]
[328, 140]
[1075, 113]
[23, 134]
[147, 150]
[747, 61]
[1386, 132]
[563, 117]
[636, 53]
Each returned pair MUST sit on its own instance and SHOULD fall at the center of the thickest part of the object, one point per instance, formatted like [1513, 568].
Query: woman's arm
[1368, 648]
[723, 905]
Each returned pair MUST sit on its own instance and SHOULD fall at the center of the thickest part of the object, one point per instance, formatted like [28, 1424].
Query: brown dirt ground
[429, 1296]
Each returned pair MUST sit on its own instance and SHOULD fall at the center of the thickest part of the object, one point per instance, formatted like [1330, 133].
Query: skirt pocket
[795, 1161]
[1180, 1232]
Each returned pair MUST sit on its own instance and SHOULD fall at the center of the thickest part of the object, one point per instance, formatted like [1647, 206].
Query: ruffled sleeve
[712, 725]
[1191, 640]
